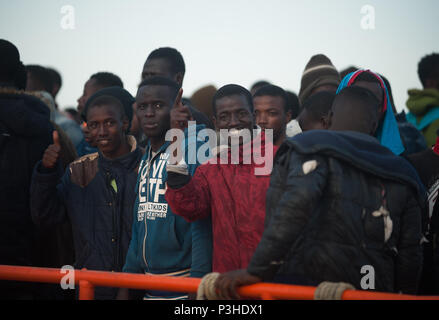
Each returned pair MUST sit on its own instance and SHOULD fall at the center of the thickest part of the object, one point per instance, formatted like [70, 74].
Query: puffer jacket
[100, 214]
[25, 132]
[324, 221]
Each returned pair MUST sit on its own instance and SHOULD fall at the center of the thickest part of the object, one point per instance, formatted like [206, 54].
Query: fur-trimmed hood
[23, 113]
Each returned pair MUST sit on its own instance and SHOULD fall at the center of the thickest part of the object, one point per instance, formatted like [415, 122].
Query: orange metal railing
[87, 280]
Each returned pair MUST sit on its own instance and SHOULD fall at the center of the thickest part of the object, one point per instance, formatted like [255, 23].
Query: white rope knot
[331, 290]
[206, 289]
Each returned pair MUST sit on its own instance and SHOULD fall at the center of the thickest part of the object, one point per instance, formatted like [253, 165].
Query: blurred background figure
[424, 104]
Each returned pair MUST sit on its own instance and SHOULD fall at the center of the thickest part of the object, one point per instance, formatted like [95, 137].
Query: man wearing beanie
[319, 75]
[96, 192]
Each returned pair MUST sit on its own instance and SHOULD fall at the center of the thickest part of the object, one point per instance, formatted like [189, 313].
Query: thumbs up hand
[180, 114]
[51, 154]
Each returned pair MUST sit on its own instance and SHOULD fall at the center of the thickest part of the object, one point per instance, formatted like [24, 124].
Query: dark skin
[108, 128]
[376, 89]
[270, 114]
[307, 122]
[233, 112]
[154, 106]
[90, 88]
[344, 118]
[160, 67]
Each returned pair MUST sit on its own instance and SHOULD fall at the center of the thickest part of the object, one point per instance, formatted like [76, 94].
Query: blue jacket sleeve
[48, 193]
[201, 247]
[131, 262]
[201, 229]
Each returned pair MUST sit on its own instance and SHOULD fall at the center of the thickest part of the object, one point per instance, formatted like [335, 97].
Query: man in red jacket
[233, 194]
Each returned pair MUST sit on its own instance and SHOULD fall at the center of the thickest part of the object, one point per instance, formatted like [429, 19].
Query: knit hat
[125, 98]
[318, 72]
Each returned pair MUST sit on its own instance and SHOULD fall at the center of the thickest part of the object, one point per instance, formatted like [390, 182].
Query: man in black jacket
[25, 132]
[339, 202]
[97, 191]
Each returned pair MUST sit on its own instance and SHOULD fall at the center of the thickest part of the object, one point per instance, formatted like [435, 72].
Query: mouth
[150, 126]
[103, 142]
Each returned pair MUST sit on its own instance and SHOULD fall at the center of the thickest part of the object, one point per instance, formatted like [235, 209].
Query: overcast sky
[228, 41]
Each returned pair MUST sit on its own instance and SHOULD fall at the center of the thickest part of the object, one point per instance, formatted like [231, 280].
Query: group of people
[352, 183]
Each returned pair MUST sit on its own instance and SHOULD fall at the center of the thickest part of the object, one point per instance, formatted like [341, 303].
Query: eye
[92, 125]
[109, 123]
[158, 105]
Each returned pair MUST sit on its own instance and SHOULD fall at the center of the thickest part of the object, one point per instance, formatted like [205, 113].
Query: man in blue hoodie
[162, 242]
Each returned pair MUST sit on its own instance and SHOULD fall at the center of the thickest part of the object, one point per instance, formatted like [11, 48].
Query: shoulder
[84, 169]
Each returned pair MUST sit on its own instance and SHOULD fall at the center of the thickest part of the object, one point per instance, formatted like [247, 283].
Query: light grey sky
[228, 41]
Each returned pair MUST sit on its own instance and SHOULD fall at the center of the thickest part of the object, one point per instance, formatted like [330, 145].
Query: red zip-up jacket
[235, 197]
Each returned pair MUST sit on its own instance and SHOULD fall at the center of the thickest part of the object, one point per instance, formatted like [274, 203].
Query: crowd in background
[353, 181]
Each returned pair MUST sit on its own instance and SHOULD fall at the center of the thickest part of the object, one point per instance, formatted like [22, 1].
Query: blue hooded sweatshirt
[163, 242]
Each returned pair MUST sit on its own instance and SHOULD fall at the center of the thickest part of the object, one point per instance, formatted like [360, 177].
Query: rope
[206, 288]
[331, 290]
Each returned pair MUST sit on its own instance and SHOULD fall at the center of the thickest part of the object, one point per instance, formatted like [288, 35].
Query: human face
[154, 104]
[233, 112]
[160, 67]
[270, 114]
[90, 88]
[107, 129]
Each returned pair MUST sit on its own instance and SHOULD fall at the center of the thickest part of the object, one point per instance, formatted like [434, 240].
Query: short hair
[319, 104]
[274, 91]
[346, 71]
[56, 76]
[259, 84]
[161, 81]
[428, 67]
[230, 90]
[172, 56]
[364, 103]
[42, 76]
[106, 100]
[107, 79]
[11, 68]
[293, 100]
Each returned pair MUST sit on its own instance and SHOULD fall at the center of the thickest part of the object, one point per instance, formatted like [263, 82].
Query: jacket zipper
[149, 163]
[114, 238]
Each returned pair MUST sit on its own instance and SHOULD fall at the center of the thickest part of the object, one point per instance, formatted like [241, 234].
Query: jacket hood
[361, 151]
[420, 101]
[387, 132]
[23, 113]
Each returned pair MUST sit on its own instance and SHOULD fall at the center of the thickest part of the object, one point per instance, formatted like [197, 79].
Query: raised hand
[180, 114]
[51, 154]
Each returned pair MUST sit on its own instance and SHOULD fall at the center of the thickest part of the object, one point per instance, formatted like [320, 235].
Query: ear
[289, 116]
[214, 121]
[125, 124]
[179, 78]
[374, 128]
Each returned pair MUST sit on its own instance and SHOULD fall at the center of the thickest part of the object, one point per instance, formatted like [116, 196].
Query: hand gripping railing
[87, 280]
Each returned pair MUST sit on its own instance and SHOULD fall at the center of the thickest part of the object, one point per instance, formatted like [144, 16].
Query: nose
[261, 119]
[234, 121]
[102, 130]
